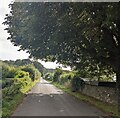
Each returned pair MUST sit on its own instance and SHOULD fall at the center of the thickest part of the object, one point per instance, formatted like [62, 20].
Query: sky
[7, 50]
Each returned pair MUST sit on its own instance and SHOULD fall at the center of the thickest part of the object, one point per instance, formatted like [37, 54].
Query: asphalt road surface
[46, 100]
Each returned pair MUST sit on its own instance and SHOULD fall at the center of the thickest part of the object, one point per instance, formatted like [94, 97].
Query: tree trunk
[118, 90]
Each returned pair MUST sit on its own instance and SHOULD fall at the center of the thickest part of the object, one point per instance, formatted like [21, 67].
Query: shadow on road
[47, 100]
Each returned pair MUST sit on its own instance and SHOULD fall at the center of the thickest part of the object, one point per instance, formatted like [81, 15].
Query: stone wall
[105, 94]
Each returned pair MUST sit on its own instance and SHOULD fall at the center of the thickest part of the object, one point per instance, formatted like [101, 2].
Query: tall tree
[77, 34]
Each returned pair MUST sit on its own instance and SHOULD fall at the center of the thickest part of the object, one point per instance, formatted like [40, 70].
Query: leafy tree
[102, 36]
[82, 35]
[39, 66]
[57, 74]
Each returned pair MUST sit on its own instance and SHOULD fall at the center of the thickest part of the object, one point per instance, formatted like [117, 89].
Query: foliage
[84, 36]
[65, 77]
[48, 76]
[70, 79]
[46, 70]
[7, 82]
[13, 92]
[16, 86]
[21, 74]
[57, 73]
[75, 27]
[25, 83]
[39, 66]
[97, 74]
[77, 83]
[12, 73]
[5, 70]
[33, 72]
[8, 105]
[106, 78]
[8, 71]
[24, 62]
[10, 90]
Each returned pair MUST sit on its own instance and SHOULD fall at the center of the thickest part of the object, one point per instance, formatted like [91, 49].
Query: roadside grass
[110, 109]
[9, 103]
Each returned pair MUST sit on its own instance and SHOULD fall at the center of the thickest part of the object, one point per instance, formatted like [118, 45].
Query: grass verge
[110, 109]
[9, 103]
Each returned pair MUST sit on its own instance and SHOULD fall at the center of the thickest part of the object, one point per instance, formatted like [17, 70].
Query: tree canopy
[67, 32]
[82, 35]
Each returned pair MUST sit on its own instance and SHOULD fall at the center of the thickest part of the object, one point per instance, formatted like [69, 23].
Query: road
[46, 100]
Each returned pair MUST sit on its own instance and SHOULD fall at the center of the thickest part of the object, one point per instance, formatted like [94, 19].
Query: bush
[33, 72]
[7, 82]
[5, 70]
[24, 83]
[76, 83]
[14, 87]
[9, 92]
[37, 74]
[65, 77]
[21, 74]
[57, 73]
[12, 73]
[48, 76]
[8, 71]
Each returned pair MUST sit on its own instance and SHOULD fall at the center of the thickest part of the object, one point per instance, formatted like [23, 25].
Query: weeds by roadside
[111, 110]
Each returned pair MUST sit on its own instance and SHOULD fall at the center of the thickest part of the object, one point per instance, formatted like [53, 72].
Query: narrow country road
[46, 100]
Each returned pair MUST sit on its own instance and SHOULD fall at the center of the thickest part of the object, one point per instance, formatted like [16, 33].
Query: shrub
[76, 83]
[9, 92]
[30, 70]
[14, 87]
[24, 83]
[64, 78]
[7, 82]
[33, 72]
[8, 71]
[12, 73]
[57, 73]
[48, 76]
[37, 74]
[21, 74]
[5, 70]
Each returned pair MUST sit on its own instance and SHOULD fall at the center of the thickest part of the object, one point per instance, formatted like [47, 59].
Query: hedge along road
[46, 100]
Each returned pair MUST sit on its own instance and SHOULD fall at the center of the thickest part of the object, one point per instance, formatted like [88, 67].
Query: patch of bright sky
[7, 50]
